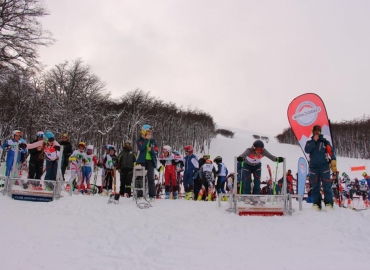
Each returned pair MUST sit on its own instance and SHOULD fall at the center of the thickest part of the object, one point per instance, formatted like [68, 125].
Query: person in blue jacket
[10, 146]
[320, 152]
[147, 156]
[191, 167]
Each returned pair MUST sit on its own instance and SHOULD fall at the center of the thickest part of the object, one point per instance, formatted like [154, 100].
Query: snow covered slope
[84, 232]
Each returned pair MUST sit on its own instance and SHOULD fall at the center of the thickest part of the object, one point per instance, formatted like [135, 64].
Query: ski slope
[84, 232]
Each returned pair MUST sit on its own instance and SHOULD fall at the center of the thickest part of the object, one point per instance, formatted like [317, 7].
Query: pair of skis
[114, 197]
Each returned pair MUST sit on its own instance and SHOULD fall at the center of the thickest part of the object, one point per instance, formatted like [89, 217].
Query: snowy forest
[70, 98]
[351, 138]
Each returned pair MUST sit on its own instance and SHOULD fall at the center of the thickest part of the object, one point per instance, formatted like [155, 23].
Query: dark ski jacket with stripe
[319, 152]
[142, 145]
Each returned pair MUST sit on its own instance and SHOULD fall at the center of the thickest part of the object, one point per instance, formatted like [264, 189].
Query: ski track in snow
[84, 232]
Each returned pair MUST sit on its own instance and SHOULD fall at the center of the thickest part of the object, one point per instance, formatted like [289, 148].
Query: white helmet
[90, 147]
[167, 148]
[17, 132]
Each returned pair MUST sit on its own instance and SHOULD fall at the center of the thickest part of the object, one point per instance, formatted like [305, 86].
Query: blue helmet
[363, 182]
[49, 135]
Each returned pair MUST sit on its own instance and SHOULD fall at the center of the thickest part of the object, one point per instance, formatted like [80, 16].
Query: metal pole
[235, 187]
[284, 184]
[59, 178]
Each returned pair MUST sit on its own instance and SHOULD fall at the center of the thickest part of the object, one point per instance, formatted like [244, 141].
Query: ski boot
[329, 206]
[209, 197]
[167, 195]
[316, 206]
[189, 196]
[175, 195]
[104, 193]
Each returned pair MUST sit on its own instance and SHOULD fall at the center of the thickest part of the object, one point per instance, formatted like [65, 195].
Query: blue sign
[302, 174]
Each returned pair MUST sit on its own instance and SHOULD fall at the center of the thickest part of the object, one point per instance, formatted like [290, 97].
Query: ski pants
[188, 180]
[221, 184]
[170, 178]
[248, 171]
[51, 170]
[321, 175]
[108, 180]
[86, 175]
[126, 180]
[170, 175]
[149, 166]
[35, 169]
[75, 173]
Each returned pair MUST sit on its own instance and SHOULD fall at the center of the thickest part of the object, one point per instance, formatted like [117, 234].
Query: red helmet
[189, 149]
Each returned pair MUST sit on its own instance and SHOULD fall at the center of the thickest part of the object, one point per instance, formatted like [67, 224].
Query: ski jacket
[320, 151]
[191, 163]
[51, 151]
[78, 159]
[36, 155]
[90, 161]
[126, 159]
[110, 162]
[222, 170]
[67, 149]
[10, 146]
[254, 159]
[207, 169]
[142, 146]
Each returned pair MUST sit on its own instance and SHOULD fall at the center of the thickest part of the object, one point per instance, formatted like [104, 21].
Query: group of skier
[200, 177]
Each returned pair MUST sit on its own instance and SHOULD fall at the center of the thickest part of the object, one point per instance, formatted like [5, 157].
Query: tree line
[70, 98]
[351, 138]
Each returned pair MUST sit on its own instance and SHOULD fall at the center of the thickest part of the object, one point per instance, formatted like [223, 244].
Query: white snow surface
[84, 232]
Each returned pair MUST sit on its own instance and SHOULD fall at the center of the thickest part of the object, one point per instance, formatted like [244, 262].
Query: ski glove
[333, 165]
[279, 159]
[240, 159]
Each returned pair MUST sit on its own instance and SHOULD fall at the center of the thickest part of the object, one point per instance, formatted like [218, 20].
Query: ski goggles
[147, 128]
[258, 149]
[40, 135]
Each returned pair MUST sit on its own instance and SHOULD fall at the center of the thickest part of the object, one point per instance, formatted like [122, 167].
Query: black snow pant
[35, 169]
[126, 180]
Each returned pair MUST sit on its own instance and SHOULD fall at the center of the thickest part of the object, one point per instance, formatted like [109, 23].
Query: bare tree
[21, 33]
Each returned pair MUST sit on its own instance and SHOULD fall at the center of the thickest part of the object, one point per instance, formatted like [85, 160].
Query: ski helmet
[167, 148]
[146, 128]
[49, 135]
[364, 174]
[111, 147]
[189, 149]
[17, 132]
[208, 161]
[363, 182]
[316, 128]
[258, 144]
[107, 146]
[175, 152]
[206, 156]
[40, 134]
[218, 159]
[90, 147]
[81, 144]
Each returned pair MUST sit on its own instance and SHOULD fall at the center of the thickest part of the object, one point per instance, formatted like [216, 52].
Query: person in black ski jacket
[126, 162]
[36, 163]
[67, 151]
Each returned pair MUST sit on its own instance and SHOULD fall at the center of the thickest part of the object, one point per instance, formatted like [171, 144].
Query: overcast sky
[242, 61]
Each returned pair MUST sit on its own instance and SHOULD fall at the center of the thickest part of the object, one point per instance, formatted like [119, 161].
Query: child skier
[10, 146]
[78, 158]
[88, 166]
[207, 175]
[110, 163]
[168, 161]
[222, 172]
[101, 164]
